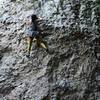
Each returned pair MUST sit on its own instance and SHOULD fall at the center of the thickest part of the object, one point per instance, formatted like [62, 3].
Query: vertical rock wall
[71, 72]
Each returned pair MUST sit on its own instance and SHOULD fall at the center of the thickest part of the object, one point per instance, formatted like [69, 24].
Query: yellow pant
[39, 42]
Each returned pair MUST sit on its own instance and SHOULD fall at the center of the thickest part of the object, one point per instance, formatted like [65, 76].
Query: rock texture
[71, 72]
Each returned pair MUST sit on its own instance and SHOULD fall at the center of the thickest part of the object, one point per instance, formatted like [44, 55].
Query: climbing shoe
[28, 55]
[47, 50]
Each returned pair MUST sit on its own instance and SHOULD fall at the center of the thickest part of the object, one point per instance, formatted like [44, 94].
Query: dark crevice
[6, 90]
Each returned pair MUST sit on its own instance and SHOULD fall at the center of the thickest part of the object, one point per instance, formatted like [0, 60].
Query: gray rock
[70, 71]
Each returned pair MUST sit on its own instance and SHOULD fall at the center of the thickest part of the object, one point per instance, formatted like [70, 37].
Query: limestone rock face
[71, 71]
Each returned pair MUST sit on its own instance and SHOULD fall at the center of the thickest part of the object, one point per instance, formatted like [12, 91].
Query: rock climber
[34, 34]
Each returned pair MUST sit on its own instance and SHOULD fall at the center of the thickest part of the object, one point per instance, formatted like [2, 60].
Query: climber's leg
[30, 40]
[43, 45]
